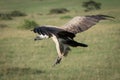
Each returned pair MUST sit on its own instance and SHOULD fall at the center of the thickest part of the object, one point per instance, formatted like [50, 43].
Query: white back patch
[43, 36]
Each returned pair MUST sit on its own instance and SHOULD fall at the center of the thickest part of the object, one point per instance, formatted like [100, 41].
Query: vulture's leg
[58, 60]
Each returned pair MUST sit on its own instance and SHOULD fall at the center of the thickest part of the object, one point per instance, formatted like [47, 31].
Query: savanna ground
[23, 59]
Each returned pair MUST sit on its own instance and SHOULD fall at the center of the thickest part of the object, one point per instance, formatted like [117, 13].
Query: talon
[58, 60]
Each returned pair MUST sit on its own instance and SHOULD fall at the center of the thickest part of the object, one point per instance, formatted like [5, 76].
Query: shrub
[5, 16]
[3, 26]
[91, 5]
[10, 15]
[17, 13]
[58, 11]
[28, 24]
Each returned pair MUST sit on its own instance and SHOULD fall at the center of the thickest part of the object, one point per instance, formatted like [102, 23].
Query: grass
[23, 59]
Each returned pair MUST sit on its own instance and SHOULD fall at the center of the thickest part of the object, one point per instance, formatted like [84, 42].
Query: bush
[91, 5]
[5, 16]
[3, 26]
[17, 13]
[10, 15]
[28, 24]
[58, 11]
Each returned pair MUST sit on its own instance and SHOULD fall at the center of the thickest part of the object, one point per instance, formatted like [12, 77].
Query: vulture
[64, 36]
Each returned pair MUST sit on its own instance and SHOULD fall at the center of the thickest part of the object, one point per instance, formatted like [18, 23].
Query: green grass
[23, 59]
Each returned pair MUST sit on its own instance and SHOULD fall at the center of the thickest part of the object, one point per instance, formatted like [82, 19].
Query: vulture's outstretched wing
[82, 23]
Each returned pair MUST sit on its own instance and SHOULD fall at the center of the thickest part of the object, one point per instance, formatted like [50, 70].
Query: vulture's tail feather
[75, 44]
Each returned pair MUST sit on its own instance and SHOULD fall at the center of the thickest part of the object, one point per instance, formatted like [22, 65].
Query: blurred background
[23, 59]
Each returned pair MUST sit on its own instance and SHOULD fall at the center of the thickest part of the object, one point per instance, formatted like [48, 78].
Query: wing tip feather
[101, 17]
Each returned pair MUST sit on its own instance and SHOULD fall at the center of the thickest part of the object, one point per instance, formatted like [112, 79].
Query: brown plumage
[82, 23]
[64, 36]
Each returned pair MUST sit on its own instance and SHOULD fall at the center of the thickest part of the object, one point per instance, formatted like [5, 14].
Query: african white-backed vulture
[64, 36]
